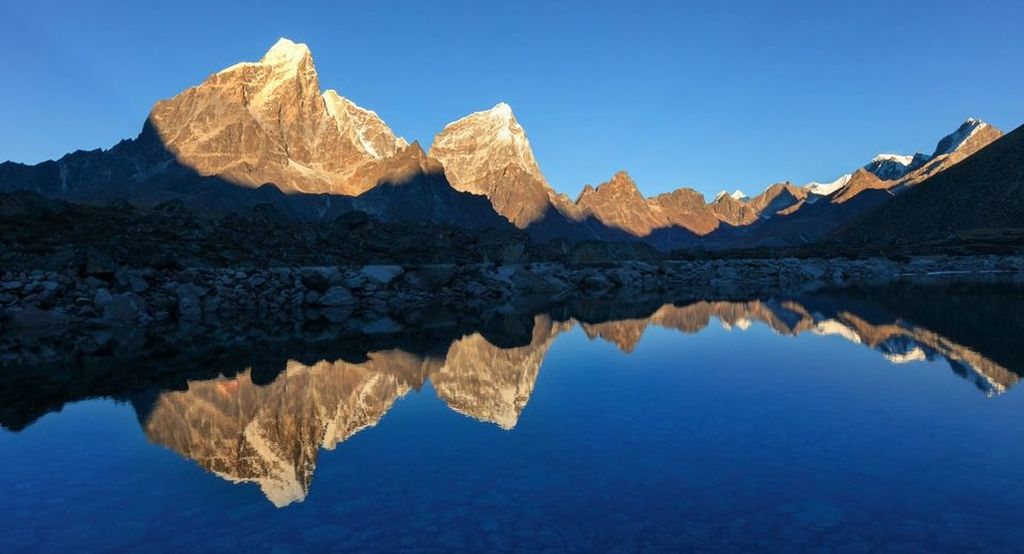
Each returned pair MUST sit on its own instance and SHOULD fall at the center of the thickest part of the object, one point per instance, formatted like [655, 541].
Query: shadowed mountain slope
[984, 192]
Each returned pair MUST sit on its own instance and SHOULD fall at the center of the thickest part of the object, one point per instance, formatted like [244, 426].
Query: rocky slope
[983, 194]
[268, 122]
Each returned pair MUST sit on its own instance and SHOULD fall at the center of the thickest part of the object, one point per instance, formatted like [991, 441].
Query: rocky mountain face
[488, 153]
[618, 203]
[685, 208]
[252, 131]
[981, 195]
[890, 167]
[852, 196]
[969, 138]
[264, 133]
[268, 122]
[972, 135]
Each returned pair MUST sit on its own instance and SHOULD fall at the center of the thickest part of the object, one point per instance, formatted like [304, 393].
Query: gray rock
[124, 307]
[320, 278]
[431, 276]
[136, 283]
[337, 296]
[337, 314]
[189, 308]
[10, 285]
[98, 263]
[311, 298]
[101, 299]
[256, 281]
[382, 274]
[35, 317]
[355, 282]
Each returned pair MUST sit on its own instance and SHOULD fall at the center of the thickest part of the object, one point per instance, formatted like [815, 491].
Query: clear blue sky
[712, 95]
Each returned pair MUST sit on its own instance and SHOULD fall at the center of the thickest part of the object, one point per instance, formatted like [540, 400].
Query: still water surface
[778, 424]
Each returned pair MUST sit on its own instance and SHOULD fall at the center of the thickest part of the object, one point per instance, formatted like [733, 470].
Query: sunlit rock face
[487, 153]
[965, 141]
[860, 181]
[267, 122]
[618, 203]
[624, 334]
[271, 435]
[493, 384]
[685, 208]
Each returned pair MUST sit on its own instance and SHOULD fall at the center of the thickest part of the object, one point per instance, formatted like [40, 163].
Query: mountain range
[265, 133]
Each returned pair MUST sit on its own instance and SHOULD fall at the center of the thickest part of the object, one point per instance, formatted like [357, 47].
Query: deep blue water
[713, 440]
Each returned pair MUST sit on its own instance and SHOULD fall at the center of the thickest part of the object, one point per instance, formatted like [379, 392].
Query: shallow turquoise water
[744, 438]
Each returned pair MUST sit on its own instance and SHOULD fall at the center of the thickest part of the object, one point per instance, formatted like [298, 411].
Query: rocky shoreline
[89, 308]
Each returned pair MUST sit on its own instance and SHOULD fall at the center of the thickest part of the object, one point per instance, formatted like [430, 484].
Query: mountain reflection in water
[271, 433]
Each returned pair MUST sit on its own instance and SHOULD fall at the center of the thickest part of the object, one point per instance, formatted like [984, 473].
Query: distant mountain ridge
[217, 145]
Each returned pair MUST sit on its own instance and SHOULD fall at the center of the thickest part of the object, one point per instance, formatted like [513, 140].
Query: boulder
[382, 274]
[101, 299]
[189, 308]
[124, 307]
[320, 278]
[99, 263]
[337, 296]
[431, 276]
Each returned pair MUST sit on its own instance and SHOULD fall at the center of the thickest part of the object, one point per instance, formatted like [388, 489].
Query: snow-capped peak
[367, 130]
[894, 166]
[735, 195]
[953, 141]
[285, 51]
[283, 57]
[501, 112]
[898, 158]
[502, 109]
[825, 189]
[483, 142]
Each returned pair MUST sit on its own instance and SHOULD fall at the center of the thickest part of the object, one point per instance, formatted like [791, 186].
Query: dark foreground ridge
[71, 272]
